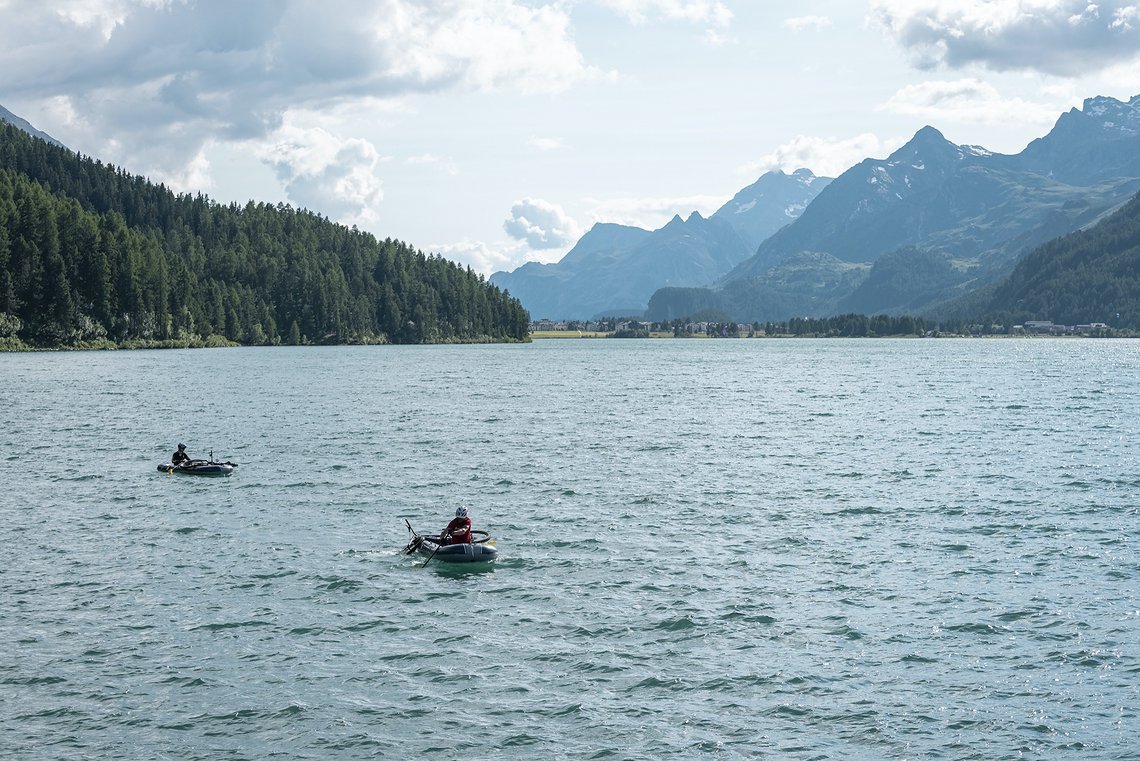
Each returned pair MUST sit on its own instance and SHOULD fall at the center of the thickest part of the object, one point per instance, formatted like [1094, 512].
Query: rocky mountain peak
[1112, 113]
[928, 144]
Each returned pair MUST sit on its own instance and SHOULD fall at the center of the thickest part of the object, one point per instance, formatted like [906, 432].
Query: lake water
[725, 549]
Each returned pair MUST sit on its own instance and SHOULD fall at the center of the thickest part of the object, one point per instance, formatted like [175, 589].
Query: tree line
[91, 255]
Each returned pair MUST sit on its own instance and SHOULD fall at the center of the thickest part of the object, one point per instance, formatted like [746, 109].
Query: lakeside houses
[1049, 327]
[592, 326]
[713, 329]
[612, 326]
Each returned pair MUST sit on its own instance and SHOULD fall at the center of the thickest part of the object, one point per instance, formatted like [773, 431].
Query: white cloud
[712, 12]
[1124, 19]
[1089, 14]
[430, 159]
[545, 143]
[192, 177]
[1060, 37]
[651, 213]
[180, 74]
[326, 173]
[491, 258]
[543, 225]
[799, 23]
[969, 101]
[104, 15]
[1120, 80]
[487, 44]
[714, 38]
[826, 157]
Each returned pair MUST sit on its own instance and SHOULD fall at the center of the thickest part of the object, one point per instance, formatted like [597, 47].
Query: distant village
[1046, 326]
[623, 326]
[729, 329]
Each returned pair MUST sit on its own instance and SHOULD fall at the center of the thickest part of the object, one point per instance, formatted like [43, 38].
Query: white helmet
[461, 512]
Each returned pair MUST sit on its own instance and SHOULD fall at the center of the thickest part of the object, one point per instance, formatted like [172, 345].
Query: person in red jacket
[459, 530]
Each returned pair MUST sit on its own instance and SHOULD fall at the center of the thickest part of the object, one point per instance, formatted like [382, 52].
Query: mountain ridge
[614, 269]
[976, 210]
[26, 126]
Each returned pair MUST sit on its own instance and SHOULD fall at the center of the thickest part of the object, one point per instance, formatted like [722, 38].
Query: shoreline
[558, 336]
[554, 335]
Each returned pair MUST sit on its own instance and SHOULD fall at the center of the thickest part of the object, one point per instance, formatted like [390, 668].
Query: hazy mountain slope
[614, 269]
[16, 121]
[620, 278]
[1089, 276]
[808, 283]
[548, 290]
[1090, 145]
[774, 200]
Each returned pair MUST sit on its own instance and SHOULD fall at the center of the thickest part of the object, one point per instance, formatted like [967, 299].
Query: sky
[496, 132]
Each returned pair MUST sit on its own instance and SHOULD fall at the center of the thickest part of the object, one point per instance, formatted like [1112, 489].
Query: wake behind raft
[480, 550]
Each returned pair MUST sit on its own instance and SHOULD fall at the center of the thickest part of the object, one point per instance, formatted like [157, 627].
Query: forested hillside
[90, 255]
[1089, 276]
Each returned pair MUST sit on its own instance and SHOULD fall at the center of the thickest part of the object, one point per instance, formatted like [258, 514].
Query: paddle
[432, 555]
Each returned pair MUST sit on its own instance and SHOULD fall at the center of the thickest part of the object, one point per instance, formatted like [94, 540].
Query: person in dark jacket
[180, 457]
[459, 530]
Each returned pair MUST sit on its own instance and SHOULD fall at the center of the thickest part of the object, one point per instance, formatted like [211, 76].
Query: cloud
[826, 157]
[490, 258]
[326, 173]
[1059, 37]
[651, 213]
[543, 225]
[712, 12]
[967, 100]
[180, 74]
[714, 38]
[1125, 19]
[1120, 79]
[545, 143]
[799, 23]
[430, 159]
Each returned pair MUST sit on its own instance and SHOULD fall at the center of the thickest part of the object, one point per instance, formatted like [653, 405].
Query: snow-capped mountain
[953, 217]
[1090, 145]
[774, 200]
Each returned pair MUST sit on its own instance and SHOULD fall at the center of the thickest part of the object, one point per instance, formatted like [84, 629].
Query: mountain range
[944, 231]
[614, 269]
[931, 223]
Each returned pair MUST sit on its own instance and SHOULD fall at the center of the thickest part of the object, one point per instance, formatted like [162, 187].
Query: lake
[807, 549]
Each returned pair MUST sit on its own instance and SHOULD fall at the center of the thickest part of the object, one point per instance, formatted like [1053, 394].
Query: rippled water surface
[730, 549]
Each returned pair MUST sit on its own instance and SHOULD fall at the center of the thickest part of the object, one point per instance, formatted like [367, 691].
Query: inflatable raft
[480, 550]
[200, 468]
